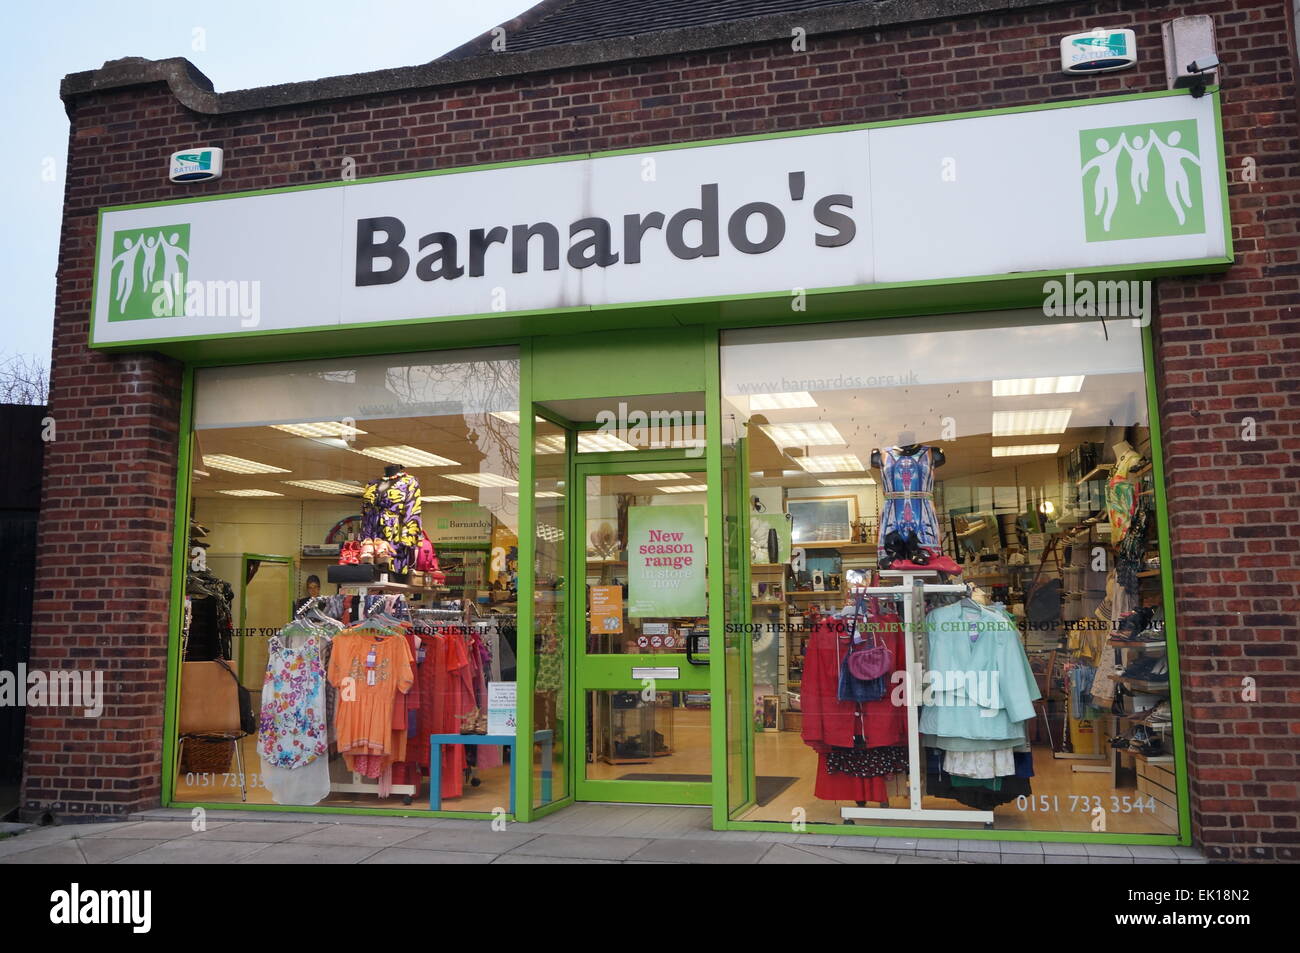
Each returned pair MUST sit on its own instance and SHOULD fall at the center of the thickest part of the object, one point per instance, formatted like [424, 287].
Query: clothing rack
[359, 783]
[911, 586]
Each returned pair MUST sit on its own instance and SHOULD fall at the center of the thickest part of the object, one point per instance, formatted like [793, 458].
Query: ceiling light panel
[788, 401]
[1026, 450]
[444, 499]
[848, 481]
[1030, 386]
[1022, 423]
[250, 493]
[407, 456]
[813, 434]
[648, 477]
[322, 428]
[232, 464]
[326, 486]
[831, 463]
[482, 479]
[685, 488]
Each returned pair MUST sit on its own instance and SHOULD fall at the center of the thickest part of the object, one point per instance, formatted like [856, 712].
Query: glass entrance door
[639, 625]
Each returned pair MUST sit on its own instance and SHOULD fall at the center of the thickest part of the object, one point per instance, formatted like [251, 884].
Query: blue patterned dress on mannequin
[908, 484]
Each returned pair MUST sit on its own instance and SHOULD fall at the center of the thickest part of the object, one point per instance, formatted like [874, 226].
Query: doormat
[766, 789]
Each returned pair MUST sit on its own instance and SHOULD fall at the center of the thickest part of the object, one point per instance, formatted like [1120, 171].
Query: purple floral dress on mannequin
[908, 484]
[390, 509]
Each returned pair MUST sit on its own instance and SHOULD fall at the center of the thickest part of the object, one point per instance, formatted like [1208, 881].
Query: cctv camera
[1204, 64]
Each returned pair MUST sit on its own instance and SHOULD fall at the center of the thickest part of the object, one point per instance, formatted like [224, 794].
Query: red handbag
[426, 559]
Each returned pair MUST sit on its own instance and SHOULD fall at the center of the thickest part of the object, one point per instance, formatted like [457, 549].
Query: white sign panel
[502, 699]
[1113, 183]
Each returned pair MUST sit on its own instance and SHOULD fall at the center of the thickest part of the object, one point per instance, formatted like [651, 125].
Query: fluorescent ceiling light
[509, 416]
[647, 477]
[323, 428]
[327, 486]
[482, 479]
[1026, 450]
[1025, 386]
[600, 441]
[831, 463]
[444, 499]
[407, 456]
[594, 441]
[847, 481]
[202, 473]
[543, 495]
[224, 461]
[685, 488]
[250, 493]
[549, 533]
[788, 401]
[1021, 423]
[813, 434]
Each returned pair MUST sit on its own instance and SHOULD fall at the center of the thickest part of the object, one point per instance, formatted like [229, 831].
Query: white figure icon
[150, 261]
[126, 279]
[1177, 187]
[172, 254]
[1139, 173]
[1106, 188]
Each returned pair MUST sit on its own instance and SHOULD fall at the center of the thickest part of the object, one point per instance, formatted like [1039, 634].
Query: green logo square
[148, 272]
[1142, 181]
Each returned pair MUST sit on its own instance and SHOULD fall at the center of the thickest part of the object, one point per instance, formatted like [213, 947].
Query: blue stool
[545, 738]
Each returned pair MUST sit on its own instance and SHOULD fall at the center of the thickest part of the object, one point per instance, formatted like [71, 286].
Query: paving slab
[405, 855]
[357, 835]
[66, 852]
[581, 846]
[186, 851]
[484, 840]
[258, 831]
[107, 850]
[287, 852]
[148, 830]
[522, 859]
[681, 851]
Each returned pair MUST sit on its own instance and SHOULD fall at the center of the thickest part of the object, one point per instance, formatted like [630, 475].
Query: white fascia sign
[1131, 181]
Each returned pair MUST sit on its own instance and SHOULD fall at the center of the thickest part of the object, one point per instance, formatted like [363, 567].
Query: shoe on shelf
[367, 554]
[349, 553]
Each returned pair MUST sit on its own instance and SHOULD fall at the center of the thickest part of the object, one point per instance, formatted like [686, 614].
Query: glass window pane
[1010, 451]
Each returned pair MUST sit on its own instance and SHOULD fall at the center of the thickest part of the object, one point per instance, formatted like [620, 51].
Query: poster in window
[666, 559]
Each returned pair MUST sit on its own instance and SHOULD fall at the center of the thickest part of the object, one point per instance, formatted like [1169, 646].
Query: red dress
[829, 723]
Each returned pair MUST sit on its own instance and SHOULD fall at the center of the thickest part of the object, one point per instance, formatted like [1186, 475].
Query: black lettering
[634, 229]
[737, 227]
[442, 262]
[522, 234]
[390, 248]
[479, 242]
[845, 227]
[707, 216]
[594, 250]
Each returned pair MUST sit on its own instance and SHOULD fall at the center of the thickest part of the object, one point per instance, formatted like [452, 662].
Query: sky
[236, 43]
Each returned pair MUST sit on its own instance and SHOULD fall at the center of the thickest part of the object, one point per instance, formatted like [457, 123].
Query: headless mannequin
[909, 449]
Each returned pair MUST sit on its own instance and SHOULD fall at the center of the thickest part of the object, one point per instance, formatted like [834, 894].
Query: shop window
[1008, 456]
[352, 582]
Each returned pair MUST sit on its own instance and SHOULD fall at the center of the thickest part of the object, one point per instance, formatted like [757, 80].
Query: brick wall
[1227, 348]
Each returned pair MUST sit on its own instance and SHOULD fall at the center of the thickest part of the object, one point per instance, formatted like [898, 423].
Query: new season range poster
[666, 558]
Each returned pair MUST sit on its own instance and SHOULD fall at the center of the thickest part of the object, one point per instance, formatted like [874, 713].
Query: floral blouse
[393, 513]
[292, 730]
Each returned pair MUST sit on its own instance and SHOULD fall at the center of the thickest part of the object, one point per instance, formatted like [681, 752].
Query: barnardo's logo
[1142, 181]
[148, 273]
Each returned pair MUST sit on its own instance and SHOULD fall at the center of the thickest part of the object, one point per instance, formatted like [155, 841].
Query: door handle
[697, 643]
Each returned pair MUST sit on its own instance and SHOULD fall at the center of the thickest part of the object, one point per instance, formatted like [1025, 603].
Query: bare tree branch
[24, 379]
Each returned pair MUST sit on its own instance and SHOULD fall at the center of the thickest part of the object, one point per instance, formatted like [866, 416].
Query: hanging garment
[1000, 762]
[831, 723]
[371, 671]
[978, 684]
[907, 481]
[1121, 496]
[390, 510]
[292, 729]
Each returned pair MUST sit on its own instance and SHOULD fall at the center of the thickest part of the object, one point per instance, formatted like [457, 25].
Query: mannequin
[909, 526]
[1121, 494]
[390, 510]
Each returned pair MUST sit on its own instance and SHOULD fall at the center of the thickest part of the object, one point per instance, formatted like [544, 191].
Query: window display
[986, 646]
[354, 560]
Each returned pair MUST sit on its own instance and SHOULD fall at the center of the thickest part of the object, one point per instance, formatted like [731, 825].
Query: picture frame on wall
[822, 519]
[771, 713]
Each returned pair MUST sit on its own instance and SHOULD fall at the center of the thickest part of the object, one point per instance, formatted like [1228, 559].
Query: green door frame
[601, 672]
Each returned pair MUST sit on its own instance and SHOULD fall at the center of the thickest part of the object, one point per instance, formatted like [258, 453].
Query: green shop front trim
[647, 346]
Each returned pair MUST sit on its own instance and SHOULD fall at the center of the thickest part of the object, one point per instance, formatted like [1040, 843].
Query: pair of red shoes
[944, 564]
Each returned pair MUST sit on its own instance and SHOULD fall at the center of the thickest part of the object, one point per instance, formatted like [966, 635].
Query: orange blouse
[368, 692]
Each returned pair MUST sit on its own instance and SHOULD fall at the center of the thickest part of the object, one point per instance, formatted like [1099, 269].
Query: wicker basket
[200, 756]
